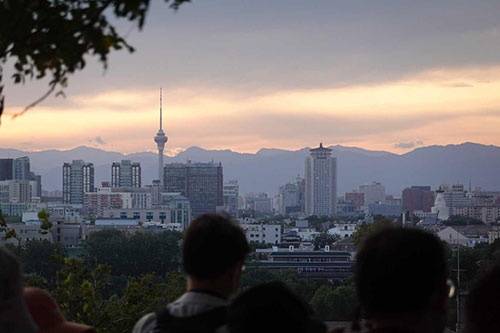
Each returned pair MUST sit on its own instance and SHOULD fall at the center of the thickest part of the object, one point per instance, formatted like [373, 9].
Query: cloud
[98, 140]
[408, 145]
[385, 116]
[459, 85]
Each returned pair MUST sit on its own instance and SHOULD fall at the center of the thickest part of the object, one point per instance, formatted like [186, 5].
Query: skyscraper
[201, 183]
[160, 139]
[231, 195]
[19, 169]
[321, 182]
[22, 168]
[78, 178]
[6, 169]
[125, 174]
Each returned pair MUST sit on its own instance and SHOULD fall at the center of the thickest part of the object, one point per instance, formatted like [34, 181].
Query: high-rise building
[356, 198]
[417, 198]
[6, 169]
[289, 199]
[78, 178]
[259, 202]
[372, 193]
[201, 183]
[321, 182]
[15, 191]
[231, 194]
[125, 174]
[22, 168]
[160, 139]
[19, 169]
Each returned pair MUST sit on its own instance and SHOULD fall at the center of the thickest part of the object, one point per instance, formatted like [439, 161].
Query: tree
[323, 239]
[40, 258]
[336, 304]
[45, 226]
[145, 294]
[54, 37]
[134, 255]
[7, 231]
[80, 293]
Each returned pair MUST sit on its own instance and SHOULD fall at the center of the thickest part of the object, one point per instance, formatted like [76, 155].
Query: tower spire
[161, 110]
[160, 140]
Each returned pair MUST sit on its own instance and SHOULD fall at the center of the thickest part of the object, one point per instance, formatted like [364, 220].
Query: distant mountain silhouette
[267, 169]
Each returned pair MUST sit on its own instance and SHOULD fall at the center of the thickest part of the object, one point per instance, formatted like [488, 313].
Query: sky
[244, 75]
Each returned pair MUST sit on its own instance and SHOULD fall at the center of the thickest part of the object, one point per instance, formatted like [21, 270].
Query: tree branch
[35, 103]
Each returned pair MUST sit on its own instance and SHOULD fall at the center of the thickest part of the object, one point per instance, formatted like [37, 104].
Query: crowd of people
[401, 279]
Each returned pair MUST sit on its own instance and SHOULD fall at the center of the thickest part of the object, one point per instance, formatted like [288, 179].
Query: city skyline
[354, 76]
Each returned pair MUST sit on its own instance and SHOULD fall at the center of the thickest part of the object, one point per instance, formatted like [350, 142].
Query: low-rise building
[25, 232]
[68, 235]
[323, 264]
[487, 214]
[469, 235]
[262, 233]
[343, 230]
[123, 224]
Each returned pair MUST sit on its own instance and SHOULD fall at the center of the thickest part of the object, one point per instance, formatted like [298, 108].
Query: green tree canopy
[53, 38]
[337, 304]
[323, 239]
[40, 258]
[134, 255]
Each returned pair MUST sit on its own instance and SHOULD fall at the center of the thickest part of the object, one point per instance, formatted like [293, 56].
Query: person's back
[14, 315]
[401, 282]
[482, 307]
[271, 308]
[214, 249]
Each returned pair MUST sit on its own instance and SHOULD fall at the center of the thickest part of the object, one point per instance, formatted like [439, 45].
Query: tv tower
[160, 139]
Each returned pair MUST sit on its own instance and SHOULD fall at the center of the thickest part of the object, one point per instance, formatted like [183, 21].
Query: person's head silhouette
[401, 281]
[271, 307]
[482, 307]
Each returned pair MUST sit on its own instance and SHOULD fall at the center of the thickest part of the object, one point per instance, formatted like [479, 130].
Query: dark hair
[271, 307]
[212, 244]
[398, 270]
[10, 275]
[482, 309]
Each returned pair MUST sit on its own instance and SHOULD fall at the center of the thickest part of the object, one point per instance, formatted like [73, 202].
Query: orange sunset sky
[383, 77]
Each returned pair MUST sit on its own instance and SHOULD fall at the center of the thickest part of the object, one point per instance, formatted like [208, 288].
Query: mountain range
[267, 169]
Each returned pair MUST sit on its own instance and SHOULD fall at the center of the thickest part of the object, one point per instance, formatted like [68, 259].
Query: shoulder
[146, 324]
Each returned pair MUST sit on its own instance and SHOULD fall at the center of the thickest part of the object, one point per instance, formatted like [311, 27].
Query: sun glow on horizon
[434, 107]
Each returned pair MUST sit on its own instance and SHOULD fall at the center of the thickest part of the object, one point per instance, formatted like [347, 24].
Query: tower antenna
[161, 111]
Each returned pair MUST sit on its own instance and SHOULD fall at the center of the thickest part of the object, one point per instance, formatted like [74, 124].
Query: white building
[321, 182]
[440, 206]
[262, 233]
[469, 235]
[343, 230]
[175, 209]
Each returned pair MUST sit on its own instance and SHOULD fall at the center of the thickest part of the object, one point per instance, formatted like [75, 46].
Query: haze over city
[393, 76]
